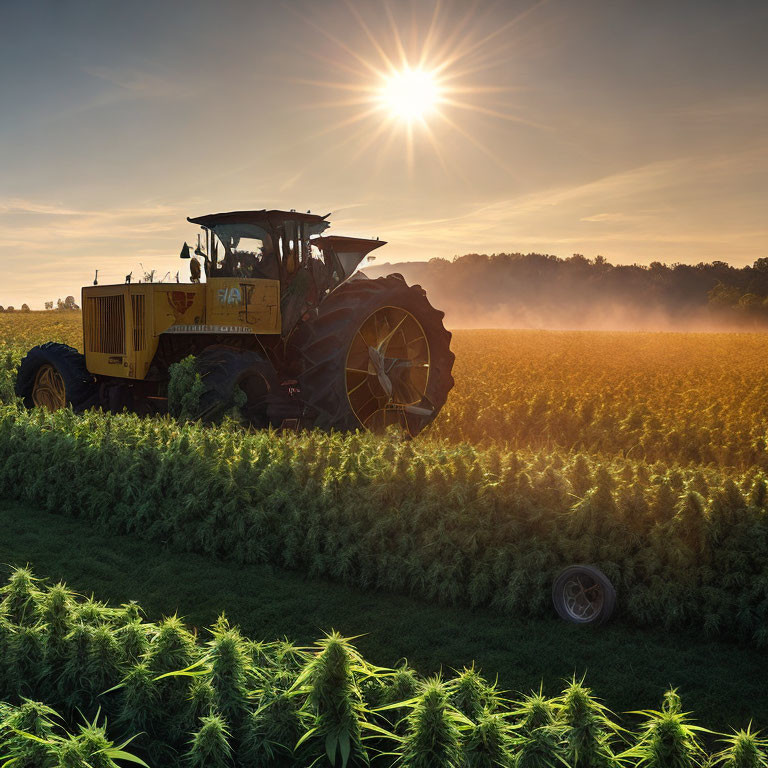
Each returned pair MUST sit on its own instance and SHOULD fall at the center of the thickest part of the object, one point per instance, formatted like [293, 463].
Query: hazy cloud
[557, 217]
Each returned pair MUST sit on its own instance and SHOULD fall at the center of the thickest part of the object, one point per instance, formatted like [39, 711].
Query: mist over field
[542, 291]
[598, 317]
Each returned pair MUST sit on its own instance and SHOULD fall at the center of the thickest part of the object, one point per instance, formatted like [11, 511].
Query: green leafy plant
[535, 711]
[210, 747]
[331, 506]
[472, 695]
[668, 739]
[185, 388]
[334, 703]
[487, 743]
[587, 730]
[434, 730]
[743, 749]
[540, 747]
[31, 736]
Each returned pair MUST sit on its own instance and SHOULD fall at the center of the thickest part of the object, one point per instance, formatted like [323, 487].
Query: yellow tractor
[279, 321]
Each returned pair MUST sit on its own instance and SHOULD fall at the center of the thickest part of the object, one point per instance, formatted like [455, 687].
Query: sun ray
[372, 137]
[343, 46]
[426, 48]
[342, 66]
[476, 89]
[409, 148]
[473, 45]
[451, 49]
[371, 37]
[432, 139]
[358, 87]
[396, 36]
[495, 113]
[344, 123]
[479, 145]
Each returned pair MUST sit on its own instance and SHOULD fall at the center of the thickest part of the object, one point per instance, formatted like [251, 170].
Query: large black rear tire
[54, 376]
[406, 376]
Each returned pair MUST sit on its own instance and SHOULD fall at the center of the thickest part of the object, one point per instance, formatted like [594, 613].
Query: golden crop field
[691, 398]
[674, 397]
[20, 330]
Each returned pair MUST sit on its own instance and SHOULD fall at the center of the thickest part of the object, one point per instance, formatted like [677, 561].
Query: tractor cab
[261, 244]
[278, 245]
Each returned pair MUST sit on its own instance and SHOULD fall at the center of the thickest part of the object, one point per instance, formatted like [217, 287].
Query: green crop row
[688, 398]
[158, 694]
[685, 548]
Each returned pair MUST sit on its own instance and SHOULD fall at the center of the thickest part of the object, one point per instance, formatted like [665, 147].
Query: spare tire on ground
[582, 594]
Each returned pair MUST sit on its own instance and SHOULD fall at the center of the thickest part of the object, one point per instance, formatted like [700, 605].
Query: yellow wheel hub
[48, 390]
[387, 371]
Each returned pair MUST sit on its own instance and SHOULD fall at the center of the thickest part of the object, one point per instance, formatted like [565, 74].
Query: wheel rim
[582, 597]
[387, 371]
[48, 390]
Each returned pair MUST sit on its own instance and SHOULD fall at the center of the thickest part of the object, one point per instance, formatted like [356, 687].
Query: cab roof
[272, 218]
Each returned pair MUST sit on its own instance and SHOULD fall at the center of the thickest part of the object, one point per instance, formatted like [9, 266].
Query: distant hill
[536, 290]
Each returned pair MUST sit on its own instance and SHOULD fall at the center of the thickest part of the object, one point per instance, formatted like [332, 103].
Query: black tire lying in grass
[225, 371]
[582, 594]
[376, 353]
[54, 376]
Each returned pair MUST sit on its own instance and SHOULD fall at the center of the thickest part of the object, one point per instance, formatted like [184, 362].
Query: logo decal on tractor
[180, 301]
[230, 295]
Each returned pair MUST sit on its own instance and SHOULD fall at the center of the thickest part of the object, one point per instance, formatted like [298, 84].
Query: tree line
[68, 304]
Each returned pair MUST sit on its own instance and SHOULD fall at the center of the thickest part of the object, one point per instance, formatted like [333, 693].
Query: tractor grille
[139, 332]
[105, 325]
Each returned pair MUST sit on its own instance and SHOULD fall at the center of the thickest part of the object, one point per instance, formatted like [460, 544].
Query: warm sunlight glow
[411, 90]
[411, 94]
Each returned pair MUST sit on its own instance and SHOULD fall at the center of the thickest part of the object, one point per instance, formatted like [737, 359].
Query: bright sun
[410, 94]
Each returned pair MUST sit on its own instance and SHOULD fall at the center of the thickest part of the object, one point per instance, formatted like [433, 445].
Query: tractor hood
[348, 251]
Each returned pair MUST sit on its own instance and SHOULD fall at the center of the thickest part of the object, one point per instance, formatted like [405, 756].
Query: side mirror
[185, 253]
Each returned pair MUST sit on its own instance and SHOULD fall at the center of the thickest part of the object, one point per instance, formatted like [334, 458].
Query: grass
[628, 668]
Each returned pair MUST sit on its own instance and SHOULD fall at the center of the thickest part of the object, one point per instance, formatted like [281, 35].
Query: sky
[634, 129]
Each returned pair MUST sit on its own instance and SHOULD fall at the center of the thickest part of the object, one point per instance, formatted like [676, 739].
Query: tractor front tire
[375, 354]
[236, 378]
[54, 376]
